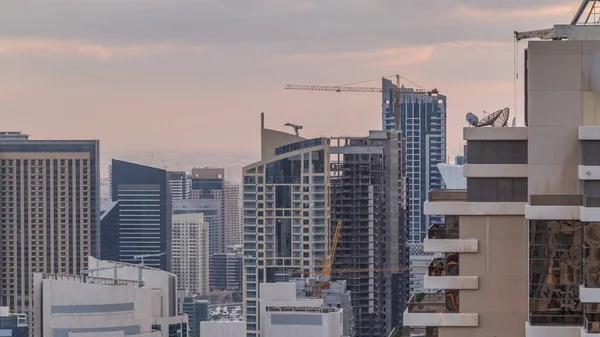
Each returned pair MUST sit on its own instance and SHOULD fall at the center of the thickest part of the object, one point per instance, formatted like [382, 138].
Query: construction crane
[141, 265]
[583, 26]
[295, 127]
[325, 274]
[399, 91]
[362, 270]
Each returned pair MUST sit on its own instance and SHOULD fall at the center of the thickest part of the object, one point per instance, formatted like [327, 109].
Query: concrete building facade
[49, 208]
[286, 214]
[520, 242]
[232, 215]
[368, 195]
[189, 258]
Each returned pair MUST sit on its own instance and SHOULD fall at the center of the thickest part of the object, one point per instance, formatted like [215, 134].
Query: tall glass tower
[423, 126]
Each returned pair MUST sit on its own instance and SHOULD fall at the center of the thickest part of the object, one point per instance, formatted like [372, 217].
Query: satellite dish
[472, 119]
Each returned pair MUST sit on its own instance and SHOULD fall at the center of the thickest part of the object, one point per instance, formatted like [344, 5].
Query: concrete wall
[501, 265]
[298, 324]
[223, 329]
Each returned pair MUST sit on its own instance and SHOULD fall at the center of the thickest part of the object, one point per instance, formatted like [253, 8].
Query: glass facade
[145, 211]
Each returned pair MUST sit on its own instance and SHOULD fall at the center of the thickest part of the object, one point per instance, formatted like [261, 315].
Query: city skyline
[180, 65]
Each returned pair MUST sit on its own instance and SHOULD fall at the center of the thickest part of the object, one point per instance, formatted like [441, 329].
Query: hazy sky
[148, 76]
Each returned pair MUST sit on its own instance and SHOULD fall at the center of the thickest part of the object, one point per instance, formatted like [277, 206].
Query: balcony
[443, 238]
[447, 195]
[434, 310]
[443, 273]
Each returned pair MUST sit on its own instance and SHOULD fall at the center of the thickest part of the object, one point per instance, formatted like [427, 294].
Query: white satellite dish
[472, 119]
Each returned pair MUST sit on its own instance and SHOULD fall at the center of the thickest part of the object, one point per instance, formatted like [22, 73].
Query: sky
[183, 82]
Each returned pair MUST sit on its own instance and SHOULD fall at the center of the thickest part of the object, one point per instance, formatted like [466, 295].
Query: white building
[282, 313]
[223, 329]
[111, 303]
[453, 176]
[189, 258]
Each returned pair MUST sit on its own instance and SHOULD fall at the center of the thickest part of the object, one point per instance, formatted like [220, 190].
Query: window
[497, 189]
[497, 151]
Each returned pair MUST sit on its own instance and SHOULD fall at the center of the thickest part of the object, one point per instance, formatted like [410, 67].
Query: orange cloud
[391, 57]
[499, 13]
[59, 46]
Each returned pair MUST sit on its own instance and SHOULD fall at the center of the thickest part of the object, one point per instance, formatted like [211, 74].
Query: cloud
[61, 46]
[391, 57]
[487, 14]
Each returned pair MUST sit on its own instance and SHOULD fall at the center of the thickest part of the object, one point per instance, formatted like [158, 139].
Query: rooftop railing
[447, 195]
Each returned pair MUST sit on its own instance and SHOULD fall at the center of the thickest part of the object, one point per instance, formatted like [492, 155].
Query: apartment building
[49, 208]
[189, 257]
[180, 183]
[520, 242]
[286, 214]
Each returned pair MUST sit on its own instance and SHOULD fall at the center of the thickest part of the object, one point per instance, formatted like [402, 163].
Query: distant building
[109, 229]
[144, 200]
[232, 216]
[13, 325]
[206, 180]
[226, 271]
[461, 159]
[105, 305]
[180, 184]
[49, 209]
[189, 258]
[197, 311]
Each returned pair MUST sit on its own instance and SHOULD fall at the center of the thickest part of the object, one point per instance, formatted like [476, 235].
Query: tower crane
[583, 26]
[399, 91]
[296, 127]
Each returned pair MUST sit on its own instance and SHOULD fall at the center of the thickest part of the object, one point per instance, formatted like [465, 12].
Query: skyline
[189, 70]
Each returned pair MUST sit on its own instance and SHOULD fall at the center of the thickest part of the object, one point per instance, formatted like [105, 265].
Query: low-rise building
[109, 301]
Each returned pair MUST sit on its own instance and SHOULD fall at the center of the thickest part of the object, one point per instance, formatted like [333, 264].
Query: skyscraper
[190, 259]
[180, 184]
[368, 195]
[49, 209]
[144, 200]
[208, 184]
[286, 213]
[423, 126]
[232, 217]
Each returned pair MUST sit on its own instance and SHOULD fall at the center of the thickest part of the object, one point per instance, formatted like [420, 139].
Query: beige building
[521, 242]
[286, 214]
[49, 208]
[190, 258]
[232, 216]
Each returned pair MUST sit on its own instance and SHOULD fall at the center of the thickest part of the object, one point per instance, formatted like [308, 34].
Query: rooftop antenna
[295, 127]
[494, 119]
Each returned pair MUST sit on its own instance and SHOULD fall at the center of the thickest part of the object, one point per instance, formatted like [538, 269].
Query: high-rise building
[461, 159]
[180, 184]
[286, 213]
[197, 311]
[521, 243]
[423, 125]
[232, 217]
[49, 207]
[226, 271]
[109, 227]
[368, 195]
[144, 200]
[208, 184]
[189, 258]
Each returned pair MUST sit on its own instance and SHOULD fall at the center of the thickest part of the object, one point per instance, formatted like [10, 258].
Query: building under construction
[368, 195]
